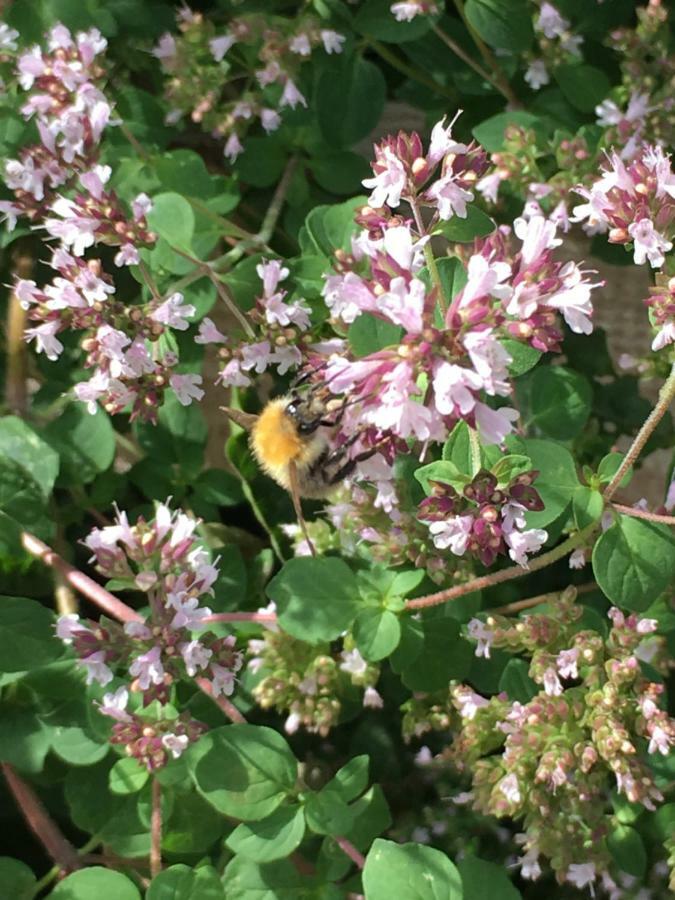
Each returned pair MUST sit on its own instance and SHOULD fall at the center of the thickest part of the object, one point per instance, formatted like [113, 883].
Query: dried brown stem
[156, 829]
[60, 850]
[16, 372]
[519, 605]
[644, 514]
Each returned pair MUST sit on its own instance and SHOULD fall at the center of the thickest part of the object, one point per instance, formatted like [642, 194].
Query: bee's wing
[243, 419]
[297, 506]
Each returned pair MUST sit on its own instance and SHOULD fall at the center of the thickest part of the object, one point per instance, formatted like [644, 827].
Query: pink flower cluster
[661, 305]
[277, 56]
[70, 113]
[485, 520]
[556, 42]
[635, 203]
[450, 345]
[279, 329]
[163, 559]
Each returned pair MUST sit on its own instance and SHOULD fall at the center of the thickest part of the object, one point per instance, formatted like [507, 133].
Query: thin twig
[519, 605]
[644, 514]
[428, 251]
[412, 73]
[60, 850]
[351, 851]
[486, 581]
[156, 829]
[470, 61]
[666, 396]
[136, 144]
[223, 703]
[269, 223]
[81, 582]
[16, 371]
[499, 81]
[262, 617]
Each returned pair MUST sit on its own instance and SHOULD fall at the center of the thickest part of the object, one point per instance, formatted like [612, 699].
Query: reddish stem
[644, 514]
[81, 582]
[240, 617]
[156, 829]
[351, 851]
[40, 822]
[226, 705]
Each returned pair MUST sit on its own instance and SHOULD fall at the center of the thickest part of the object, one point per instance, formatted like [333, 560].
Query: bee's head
[306, 412]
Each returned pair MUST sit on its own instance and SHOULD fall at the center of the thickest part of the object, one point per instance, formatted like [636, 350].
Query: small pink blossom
[148, 668]
[186, 388]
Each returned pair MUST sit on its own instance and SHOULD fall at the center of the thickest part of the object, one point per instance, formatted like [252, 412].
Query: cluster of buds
[308, 684]
[557, 43]
[661, 303]
[70, 112]
[277, 327]
[427, 712]
[587, 730]
[199, 60]
[486, 519]
[635, 203]
[153, 740]
[163, 559]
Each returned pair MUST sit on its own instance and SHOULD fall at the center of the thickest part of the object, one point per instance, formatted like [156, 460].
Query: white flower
[291, 96]
[453, 534]
[96, 668]
[451, 199]
[233, 147]
[45, 338]
[372, 699]
[552, 685]
[388, 184]
[115, 705]
[494, 424]
[219, 46]
[223, 680]
[478, 631]
[537, 235]
[567, 663]
[148, 668]
[510, 788]
[175, 743]
[648, 243]
[186, 388]
[332, 41]
[537, 74]
[581, 874]
[469, 701]
[550, 22]
[353, 663]
[522, 543]
[174, 313]
[195, 656]
[300, 44]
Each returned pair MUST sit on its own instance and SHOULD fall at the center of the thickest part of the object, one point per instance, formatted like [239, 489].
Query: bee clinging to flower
[293, 440]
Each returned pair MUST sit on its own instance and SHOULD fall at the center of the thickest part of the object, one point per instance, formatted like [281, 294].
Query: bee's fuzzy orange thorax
[274, 438]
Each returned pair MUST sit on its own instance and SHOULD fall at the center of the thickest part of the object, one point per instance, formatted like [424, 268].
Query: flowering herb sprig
[163, 559]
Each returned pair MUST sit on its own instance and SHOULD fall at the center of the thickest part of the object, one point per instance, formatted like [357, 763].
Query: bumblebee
[291, 441]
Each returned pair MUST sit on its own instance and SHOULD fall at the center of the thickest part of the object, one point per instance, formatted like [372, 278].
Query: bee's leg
[348, 467]
[297, 505]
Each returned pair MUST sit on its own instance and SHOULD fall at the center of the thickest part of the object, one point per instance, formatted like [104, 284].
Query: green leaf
[85, 443]
[510, 466]
[21, 444]
[349, 100]
[24, 739]
[476, 224]
[444, 471]
[560, 401]
[457, 448]
[587, 506]
[482, 879]
[377, 633]
[95, 882]
[523, 356]
[516, 681]
[172, 218]
[453, 276]
[351, 780]
[327, 813]
[183, 883]
[274, 837]
[503, 24]
[193, 826]
[557, 479]
[371, 817]
[368, 334]
[628, 850]
[490, 133]
[329, 228]
[610, 465]
[411, 871]
[244, 771]
[219, 487]
[262, 162]
[634, 561]
[340, 172]
[127, 776]
[74, 744]
[584, 86]
[246, 880]
[375, 19]
[446, 656]
[315, 598]
[26, 635]
[17, 879]
[22, 506]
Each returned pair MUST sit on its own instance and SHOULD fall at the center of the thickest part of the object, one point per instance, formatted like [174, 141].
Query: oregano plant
[336, 537]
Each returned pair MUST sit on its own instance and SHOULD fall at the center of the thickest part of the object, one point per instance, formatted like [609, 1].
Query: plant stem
[486, 581]
[666, 396]
[644, 514]
[81, 582]
[411, 72]
[240, 617]
[156, 829]
[519, 605]
[351, 851]
[44, 882]
[467, 58]
[136, 144]
[110, 604]
[269, 223]
[428, 251]
[499, 80]
[17, 359]
[40, 822]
